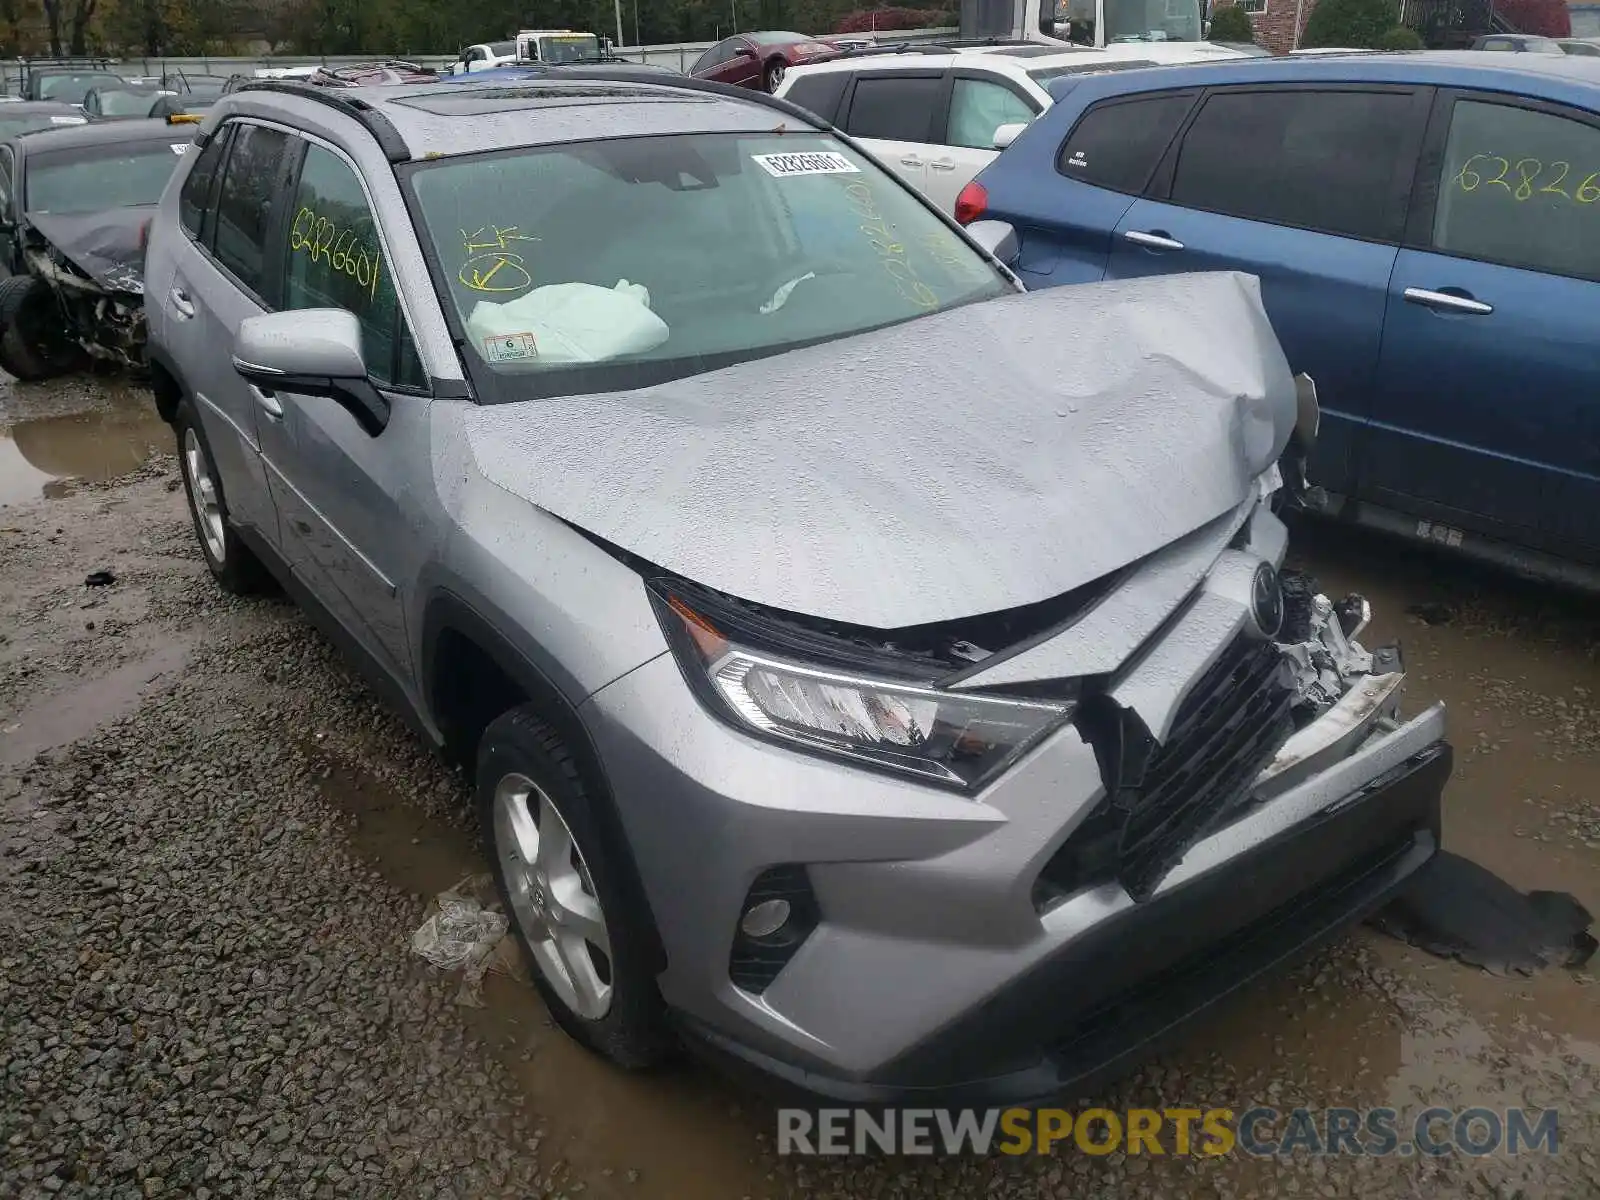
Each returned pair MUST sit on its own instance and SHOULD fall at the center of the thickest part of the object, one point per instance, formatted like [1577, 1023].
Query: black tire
[34, 341]
[632, 1033]
[772, 75]
[236, 568]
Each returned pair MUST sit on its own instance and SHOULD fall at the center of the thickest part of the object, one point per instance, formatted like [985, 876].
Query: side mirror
[744, 52]
[1006, 134]
[313, 351]
[997, 237]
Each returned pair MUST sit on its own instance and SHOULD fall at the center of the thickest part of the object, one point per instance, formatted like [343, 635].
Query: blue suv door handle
[1152, 241]
[1451, 302]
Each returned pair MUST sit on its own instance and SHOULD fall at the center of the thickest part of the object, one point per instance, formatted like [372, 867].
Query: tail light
[972, 203]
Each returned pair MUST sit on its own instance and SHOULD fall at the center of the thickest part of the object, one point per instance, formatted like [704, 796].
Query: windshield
[605, 265]
[71, 89]
[1132, 21]
[126, 104]
[96, 178]
[11, 126]
[569, 47]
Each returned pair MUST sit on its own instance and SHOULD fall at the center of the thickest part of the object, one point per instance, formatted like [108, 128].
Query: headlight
[940, 737]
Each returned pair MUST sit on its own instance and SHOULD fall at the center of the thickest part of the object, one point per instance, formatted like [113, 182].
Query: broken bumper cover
[1109, 998]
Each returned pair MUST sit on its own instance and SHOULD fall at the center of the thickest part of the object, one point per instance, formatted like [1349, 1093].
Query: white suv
[932, 115]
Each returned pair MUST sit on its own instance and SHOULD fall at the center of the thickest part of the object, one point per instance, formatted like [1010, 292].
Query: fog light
[765, 919]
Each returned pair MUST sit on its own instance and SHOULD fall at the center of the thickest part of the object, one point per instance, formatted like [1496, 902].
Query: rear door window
[252, 180]
[1338, 162]
[1520, 186]
[895, 108]
[1117, 143]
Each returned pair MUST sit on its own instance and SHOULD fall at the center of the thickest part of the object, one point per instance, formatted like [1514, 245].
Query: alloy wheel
[553, 896]
[203, 496]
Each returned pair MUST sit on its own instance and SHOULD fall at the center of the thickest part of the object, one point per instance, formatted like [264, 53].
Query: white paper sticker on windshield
[179, 147]
[510, 347]
[810, 162]
[69, 120]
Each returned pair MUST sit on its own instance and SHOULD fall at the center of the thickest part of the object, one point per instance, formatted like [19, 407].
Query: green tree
[1358, 24]
[1231, 24]
[1400, 38]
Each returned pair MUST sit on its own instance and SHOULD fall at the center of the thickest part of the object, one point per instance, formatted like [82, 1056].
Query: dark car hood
[967, 462]
[106, 246]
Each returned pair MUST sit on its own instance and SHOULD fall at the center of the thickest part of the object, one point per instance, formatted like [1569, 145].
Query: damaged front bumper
[1219, 804]
[104, 317]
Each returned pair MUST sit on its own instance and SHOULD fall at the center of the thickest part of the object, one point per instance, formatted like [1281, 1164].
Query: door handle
[942, 164]
[269, 402]
[181, 304]
[910, 160]
[1152, 241]
[1448, 302]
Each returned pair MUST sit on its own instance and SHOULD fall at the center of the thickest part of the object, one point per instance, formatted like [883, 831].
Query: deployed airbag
[566, 323]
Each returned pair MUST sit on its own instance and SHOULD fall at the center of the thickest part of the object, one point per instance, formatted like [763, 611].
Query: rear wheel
[772, 77]
[35, 343]
[229, 559]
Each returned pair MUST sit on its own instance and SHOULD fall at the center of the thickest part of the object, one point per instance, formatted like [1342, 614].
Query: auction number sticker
[810, 162]
[510, 347]
[69, 120]
[178, 147]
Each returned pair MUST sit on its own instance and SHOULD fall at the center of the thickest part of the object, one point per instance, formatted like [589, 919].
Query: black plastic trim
[382, 129]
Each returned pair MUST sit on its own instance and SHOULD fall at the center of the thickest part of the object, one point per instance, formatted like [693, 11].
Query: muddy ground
[214, 846]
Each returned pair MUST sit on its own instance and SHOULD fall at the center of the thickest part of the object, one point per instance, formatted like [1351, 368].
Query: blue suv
[1426, 228]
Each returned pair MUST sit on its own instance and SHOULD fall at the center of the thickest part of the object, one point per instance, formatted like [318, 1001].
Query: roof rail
[967, 43]
[394, 146]
[382, 129]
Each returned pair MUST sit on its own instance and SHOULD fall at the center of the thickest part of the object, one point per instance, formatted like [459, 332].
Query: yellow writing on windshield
[1525, 178]
[491, 265]
[891, 253]
[323, 241]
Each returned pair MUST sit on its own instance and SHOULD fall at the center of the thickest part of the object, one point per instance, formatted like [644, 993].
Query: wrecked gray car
[874, 676]
[77, 201]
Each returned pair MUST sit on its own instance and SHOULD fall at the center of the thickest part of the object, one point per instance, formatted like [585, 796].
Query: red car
[758, 60]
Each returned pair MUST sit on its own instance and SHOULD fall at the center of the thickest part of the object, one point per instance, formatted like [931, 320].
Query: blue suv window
[1117, 143]
[1323, 160]
[1520, 187]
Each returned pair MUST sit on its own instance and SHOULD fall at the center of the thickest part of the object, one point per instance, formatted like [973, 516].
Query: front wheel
[562, 885]
[35, 343]
[772, 77]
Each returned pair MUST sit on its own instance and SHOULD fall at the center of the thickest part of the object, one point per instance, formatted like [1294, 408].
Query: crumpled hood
[104, 245]
[966, 462]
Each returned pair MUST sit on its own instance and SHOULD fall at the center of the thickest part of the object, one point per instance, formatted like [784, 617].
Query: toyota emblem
[1266, 601]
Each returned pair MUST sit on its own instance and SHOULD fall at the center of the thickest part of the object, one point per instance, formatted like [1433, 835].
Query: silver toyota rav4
[874, 676]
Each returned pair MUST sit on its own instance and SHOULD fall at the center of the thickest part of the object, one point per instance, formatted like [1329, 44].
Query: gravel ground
[214, 847]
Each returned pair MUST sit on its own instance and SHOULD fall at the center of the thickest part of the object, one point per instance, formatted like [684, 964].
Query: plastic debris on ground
[1454, 908]
[465, 930]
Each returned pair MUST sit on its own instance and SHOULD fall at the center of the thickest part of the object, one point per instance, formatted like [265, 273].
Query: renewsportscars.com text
[1210, 1132]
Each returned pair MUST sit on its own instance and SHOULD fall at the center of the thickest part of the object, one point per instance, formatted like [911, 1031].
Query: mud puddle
[62, 717]
[674, 1134]
[40, 454]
